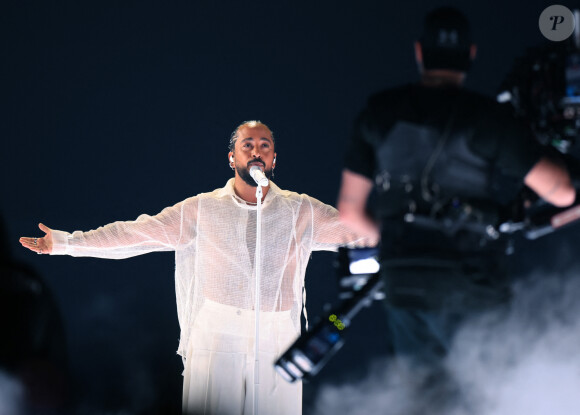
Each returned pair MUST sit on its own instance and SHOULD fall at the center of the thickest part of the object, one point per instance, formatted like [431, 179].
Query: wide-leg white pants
[218, 376]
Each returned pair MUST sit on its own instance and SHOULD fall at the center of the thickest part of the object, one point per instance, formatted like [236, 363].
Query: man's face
[254, 146]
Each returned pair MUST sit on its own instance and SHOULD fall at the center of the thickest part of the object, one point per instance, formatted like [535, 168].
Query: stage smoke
[521, 360]
[525, 361]
[11, 395]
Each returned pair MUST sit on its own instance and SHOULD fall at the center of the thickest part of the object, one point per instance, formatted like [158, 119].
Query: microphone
[259, 176]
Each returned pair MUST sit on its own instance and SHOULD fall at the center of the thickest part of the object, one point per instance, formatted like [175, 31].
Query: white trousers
[219, 367]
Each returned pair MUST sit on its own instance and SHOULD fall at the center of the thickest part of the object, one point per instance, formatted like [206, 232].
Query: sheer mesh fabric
[214, 238]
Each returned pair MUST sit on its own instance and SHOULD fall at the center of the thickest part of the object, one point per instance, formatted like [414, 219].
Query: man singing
[214, 238]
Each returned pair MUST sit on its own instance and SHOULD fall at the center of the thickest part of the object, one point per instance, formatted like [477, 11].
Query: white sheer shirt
[214, 238]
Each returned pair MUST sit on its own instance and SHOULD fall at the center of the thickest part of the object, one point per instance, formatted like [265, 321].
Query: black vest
[420, 169]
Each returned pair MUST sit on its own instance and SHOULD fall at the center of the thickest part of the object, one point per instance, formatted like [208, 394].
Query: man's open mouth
[257, 163]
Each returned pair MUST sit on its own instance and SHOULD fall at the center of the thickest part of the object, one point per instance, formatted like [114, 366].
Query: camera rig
[542, 90]
[360, 284]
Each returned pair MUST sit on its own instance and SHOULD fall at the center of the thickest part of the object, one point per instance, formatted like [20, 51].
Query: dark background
[110, 110]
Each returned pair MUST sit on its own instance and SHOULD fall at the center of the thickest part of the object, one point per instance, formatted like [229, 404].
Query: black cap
[446, 40]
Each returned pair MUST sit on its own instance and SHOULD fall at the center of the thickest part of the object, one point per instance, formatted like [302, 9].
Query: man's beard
[244, 173]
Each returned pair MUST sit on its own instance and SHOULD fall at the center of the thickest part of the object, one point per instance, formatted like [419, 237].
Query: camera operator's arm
[551, 182]
[352, 201]
[328, 231]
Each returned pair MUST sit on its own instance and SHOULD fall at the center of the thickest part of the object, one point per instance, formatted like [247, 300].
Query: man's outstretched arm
[162, 232]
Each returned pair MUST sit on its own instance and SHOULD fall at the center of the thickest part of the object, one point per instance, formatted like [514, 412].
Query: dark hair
[446, 40]
[251, 124]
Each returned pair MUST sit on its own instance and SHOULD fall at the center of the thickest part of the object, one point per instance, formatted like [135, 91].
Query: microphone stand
[257, 295]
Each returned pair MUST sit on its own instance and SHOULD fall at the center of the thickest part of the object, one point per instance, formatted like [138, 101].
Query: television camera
[542, 90]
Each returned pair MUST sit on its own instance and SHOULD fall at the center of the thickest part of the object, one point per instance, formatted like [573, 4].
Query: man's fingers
[44, 228]
[40, 245]
[30, 244]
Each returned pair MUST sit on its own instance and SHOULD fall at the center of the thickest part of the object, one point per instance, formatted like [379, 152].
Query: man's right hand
[39, 245]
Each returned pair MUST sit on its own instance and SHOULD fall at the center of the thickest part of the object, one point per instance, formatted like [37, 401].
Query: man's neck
[246, 192]
[442, 78]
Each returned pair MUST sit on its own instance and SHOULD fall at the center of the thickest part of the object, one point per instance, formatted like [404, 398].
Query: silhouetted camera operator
[444, 164]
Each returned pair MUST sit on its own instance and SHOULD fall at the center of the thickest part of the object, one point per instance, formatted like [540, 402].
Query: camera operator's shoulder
[475, 99]
[486, 109]
[390, 97]
[385, 107]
